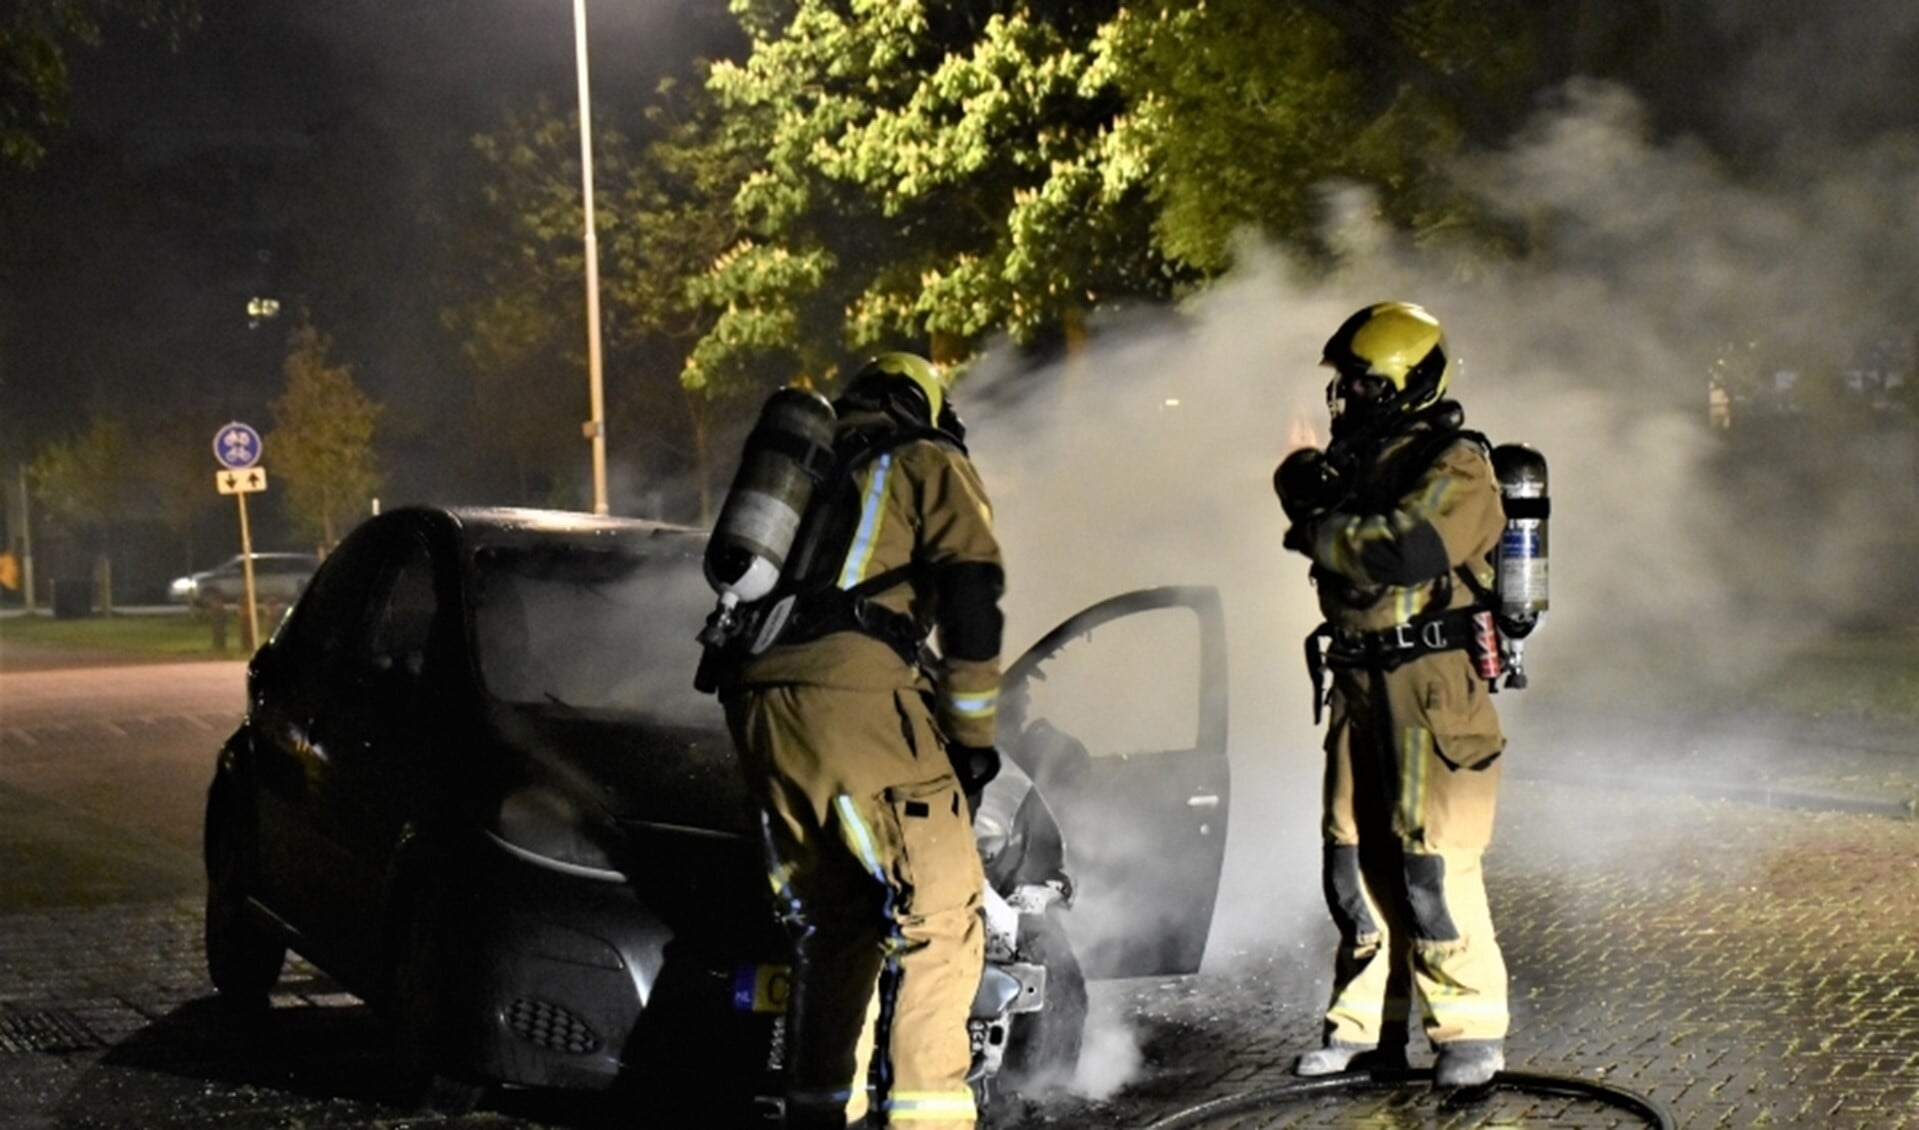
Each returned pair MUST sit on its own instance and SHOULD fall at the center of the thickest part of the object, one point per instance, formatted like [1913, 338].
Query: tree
[941, 172]
[518, 321]
[322, 444]
[171, 463]
[931, 172]
[662, 215]
[83, 485]
[36, 38]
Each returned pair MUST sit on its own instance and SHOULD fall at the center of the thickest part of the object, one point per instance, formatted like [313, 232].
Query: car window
[1131, 686]
[593, 627]
[403, 617]
[326, 626]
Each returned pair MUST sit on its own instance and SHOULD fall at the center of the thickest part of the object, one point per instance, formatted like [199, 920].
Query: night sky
[318, 151]
[308, 152]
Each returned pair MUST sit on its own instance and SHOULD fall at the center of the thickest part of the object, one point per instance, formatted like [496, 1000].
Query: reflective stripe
[974, 705]
[926, 1106]
[830, 1099]
[780, 875]
[1429, 503]
[1462, 1002]
[1415, 743]
[861, 836]
[866, 537]
[1367, 1013]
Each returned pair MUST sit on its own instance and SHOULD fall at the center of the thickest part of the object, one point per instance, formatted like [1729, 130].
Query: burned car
[475, 786]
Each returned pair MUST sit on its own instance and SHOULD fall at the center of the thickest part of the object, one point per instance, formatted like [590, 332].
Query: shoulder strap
[828, 526]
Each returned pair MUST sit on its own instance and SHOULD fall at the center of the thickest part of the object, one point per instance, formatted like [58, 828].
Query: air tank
[785, 457]
[1522, 582]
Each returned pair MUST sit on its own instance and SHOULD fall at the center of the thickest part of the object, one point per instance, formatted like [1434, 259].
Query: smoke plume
[1688, 559]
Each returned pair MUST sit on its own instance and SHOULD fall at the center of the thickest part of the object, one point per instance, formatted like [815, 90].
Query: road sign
[237, 446]
[249, 480]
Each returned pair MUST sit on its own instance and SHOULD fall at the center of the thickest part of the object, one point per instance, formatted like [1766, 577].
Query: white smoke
[1146, 458]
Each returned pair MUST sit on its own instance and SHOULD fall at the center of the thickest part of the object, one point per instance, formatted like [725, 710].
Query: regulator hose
[1532, 1082]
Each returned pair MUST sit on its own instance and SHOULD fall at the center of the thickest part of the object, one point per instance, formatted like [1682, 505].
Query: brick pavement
[1741, 965]
[1745, 964]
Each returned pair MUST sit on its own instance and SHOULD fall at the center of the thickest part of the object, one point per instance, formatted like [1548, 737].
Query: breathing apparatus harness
[1491, 627]
[805, 603]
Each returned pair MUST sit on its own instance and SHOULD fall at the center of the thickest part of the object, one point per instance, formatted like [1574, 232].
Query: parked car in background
[278, 578]
[474, 784]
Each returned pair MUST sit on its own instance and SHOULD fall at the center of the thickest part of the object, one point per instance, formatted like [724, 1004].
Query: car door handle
[1203, 800]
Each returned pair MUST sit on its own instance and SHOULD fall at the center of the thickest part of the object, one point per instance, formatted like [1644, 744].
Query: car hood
[627, 769]
[672, 806]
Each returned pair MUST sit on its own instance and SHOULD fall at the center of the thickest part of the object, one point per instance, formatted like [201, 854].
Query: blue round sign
[237, 446]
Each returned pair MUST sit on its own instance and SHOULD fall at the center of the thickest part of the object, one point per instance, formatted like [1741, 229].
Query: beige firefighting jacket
[1384, 568]
[923, 504]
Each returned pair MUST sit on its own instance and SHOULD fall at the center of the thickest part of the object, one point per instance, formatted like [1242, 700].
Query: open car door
[1119, 716]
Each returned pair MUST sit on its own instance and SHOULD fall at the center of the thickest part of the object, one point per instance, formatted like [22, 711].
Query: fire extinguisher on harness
[1521, 587]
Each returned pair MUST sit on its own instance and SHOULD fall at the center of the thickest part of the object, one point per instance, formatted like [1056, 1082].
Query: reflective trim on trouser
[931, 1110]
[1415, 828]
[1367, 998]
[830, 1110]
[1461, 983]
[869, 840]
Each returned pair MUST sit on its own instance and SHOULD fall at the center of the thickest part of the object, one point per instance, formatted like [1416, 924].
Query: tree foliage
[940, 172]
[322, 444]
[171, 463]
[661, 217]
[36, 40]
[83, 485]
[930, 172]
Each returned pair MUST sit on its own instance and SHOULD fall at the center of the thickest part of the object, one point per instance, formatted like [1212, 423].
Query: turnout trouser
[870, 848]
[1412, 777]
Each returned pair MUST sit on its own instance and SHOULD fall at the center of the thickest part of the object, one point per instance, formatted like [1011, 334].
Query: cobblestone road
[1742, 965]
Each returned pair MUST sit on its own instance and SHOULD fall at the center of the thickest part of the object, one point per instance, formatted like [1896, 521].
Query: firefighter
[862, 749]
[1400, 516]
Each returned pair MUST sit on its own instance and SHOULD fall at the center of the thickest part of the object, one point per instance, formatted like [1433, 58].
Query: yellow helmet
[1398, 346]
[889, 375]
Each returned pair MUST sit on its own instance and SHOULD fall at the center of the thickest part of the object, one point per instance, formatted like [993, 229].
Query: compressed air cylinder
[1522, 582]
[785, 457]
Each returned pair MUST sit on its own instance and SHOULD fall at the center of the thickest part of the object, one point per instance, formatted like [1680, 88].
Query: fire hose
[1529, 1082]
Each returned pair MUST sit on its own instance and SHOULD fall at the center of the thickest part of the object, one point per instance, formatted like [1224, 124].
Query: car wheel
[243, 956]
[429, 1080]
[1042, 1050]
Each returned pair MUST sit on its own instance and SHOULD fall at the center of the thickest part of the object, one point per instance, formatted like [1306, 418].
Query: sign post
[237, 446]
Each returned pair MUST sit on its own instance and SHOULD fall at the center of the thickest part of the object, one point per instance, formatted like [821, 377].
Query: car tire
[1042, 1050]
[244, 957]
[430, 1083]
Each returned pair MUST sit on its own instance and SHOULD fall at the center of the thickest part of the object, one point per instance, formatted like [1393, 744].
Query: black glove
[974, 765]
[1307, 483]
[1301, 535]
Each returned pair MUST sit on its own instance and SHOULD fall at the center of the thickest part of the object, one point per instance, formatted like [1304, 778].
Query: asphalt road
[1741, 962]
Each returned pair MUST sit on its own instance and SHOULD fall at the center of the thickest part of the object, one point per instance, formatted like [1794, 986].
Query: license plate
[762, 988]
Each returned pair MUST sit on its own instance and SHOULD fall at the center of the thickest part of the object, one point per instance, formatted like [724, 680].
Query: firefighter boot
[1468, 1063]
[1339, 1055]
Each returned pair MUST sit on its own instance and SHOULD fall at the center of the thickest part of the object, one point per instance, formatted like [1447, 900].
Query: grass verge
[155, 636]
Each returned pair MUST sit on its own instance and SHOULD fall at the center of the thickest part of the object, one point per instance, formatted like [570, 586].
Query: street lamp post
[595, 427]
